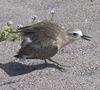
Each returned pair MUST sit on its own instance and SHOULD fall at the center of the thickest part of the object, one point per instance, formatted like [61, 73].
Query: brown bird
[44, 39]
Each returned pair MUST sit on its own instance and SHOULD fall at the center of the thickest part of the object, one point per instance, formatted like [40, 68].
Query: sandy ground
[82, 58]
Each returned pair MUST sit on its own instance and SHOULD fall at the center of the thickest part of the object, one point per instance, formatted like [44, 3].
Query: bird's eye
[75, 34]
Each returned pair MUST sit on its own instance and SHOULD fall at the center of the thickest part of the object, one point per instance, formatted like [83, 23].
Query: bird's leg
[59, 65]
[46, 62]
[54, 62]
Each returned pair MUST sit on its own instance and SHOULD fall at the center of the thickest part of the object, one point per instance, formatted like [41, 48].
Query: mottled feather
[44, 36]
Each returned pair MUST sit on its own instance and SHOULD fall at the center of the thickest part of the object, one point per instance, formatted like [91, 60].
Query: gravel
[82, 58]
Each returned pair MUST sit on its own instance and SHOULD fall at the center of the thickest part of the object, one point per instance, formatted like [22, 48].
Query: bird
[44, 39]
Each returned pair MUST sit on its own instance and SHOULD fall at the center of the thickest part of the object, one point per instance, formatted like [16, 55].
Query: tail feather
[18, 56]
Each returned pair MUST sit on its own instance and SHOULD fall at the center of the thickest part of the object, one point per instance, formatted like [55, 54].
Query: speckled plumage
[47, 38]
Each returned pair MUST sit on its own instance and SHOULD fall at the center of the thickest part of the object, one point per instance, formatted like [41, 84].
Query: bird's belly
[40, 56]
[43, 53]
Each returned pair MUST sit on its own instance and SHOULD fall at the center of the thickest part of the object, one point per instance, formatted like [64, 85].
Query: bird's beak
[86, 37]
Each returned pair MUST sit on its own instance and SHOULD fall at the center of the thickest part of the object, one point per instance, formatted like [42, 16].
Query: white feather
[78, 31]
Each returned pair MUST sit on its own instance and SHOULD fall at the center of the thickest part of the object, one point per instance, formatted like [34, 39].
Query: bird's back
[45, 27]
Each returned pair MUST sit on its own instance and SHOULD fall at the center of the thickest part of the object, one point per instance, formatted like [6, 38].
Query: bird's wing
[47, 27]
[41, 47]
[43, 36]
[43, 32]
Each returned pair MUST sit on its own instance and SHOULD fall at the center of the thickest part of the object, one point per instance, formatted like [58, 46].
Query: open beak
[86, 37]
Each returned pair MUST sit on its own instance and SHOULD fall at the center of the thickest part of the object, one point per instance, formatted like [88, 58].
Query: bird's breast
[62, 40]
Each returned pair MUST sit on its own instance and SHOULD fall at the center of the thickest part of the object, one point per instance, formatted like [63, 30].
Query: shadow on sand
[15, 68]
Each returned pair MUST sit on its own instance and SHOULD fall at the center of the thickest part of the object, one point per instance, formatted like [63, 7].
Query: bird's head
[77, 34]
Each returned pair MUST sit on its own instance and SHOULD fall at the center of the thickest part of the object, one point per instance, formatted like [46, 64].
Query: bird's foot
[61, 68]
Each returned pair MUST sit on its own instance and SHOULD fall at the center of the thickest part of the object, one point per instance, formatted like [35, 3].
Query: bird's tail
[18, 56]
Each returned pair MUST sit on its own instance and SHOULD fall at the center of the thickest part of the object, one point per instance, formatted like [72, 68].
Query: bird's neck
[62, 40]
[67, 40]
